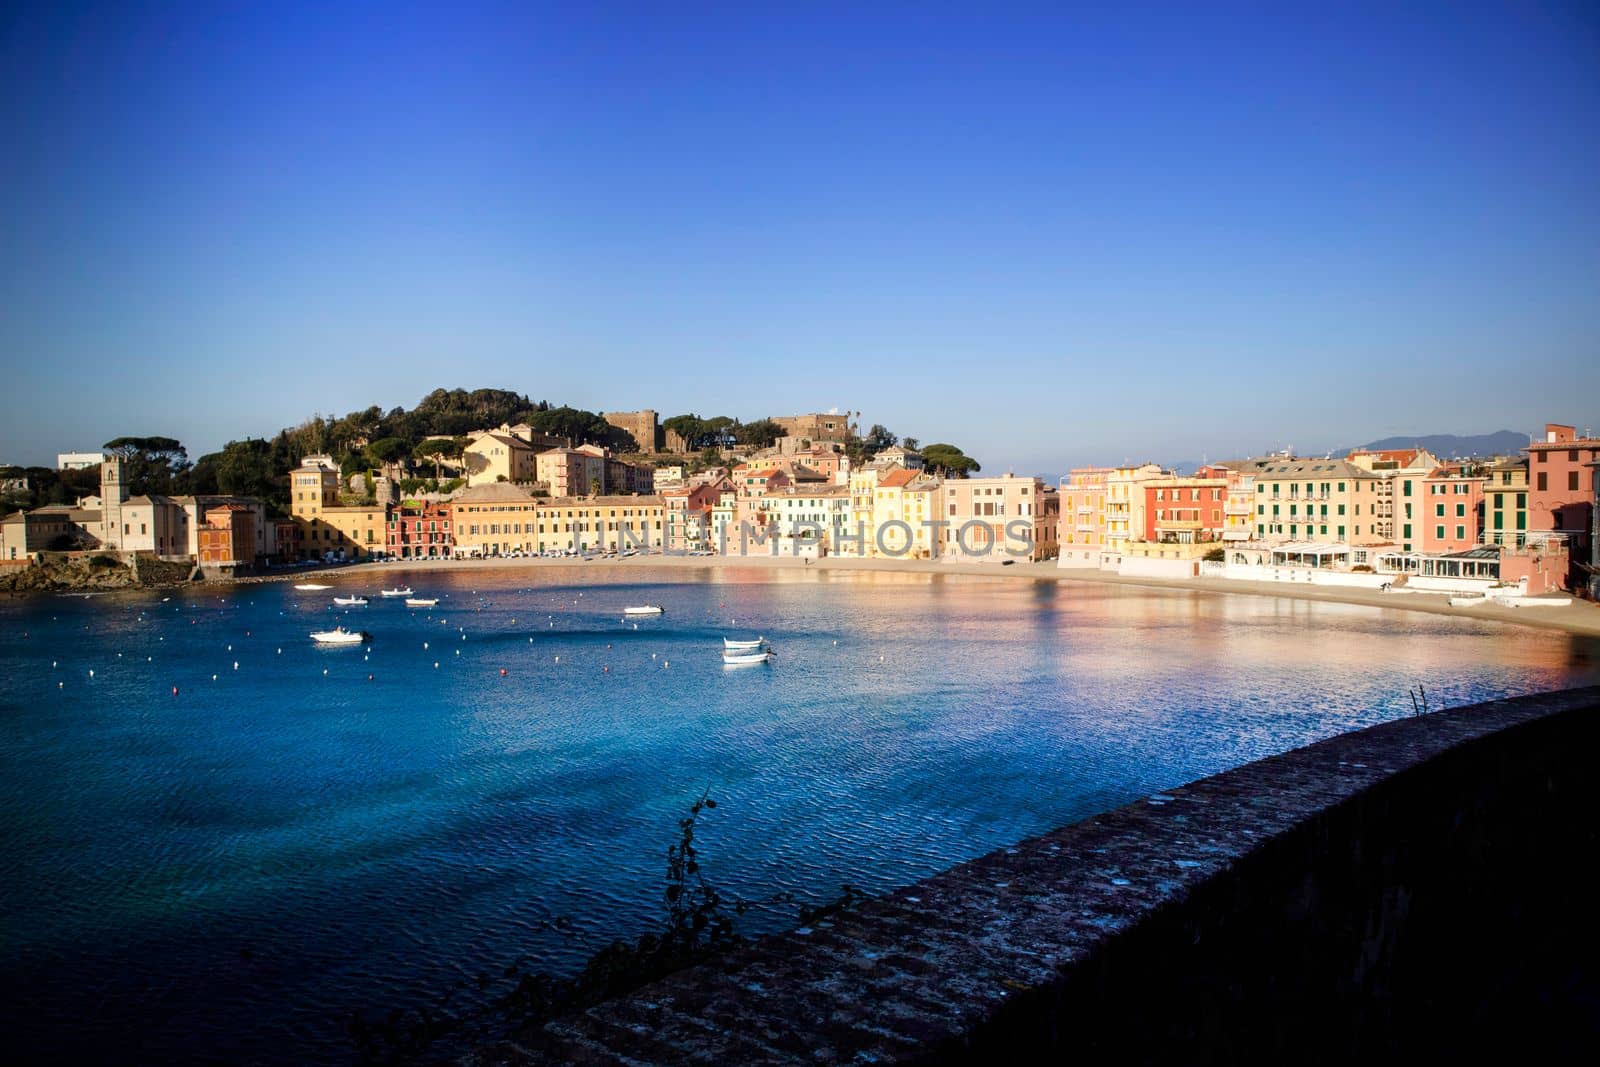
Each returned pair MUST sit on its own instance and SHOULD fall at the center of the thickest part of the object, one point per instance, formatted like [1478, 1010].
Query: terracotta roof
[896, 478]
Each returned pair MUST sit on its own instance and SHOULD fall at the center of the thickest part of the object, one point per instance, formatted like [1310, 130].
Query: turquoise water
[226, 872]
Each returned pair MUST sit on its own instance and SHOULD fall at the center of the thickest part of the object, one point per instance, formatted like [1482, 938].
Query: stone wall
[1417, 889]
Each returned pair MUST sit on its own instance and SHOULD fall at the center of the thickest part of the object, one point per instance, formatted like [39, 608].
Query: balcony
[1179, 524]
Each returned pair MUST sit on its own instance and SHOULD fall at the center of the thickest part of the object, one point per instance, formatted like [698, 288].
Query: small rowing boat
[421, 601]
[397, 592]
[731, 645]
[340, 636]
[643, 609]
[311, 587]
[350, 601]
[740, 659]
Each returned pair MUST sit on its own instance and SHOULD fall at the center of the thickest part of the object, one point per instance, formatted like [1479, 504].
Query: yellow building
[905, 506]
[1505, 503]
[505, 520]
[496, 456]
[1082, 531]
[329, 530]
[1124, 503]
[1322, 500]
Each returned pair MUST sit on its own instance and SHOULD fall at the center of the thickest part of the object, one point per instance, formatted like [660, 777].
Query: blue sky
[1050, 234]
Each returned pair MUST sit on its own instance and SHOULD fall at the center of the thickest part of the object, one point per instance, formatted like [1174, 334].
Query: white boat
[339, 636]
[312, 587]
[421, 601]
[350, 601]
[1467, 601]
[739, 659]
[645, 609]
[731, 645]
[397, 592]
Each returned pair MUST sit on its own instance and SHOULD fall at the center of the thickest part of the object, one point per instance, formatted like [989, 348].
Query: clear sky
[1051, 235]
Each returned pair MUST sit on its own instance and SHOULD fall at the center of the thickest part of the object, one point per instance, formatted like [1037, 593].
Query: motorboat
[340, 636]
[350, 601]
[397, 592]
[312, 587]
[731, 645]
[643, 609]
[421, 601]
[740, 659]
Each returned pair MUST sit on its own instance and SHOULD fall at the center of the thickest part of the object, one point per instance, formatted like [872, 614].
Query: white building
[77, 461]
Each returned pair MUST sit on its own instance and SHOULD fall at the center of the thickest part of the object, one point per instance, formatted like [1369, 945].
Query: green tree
[151, 464]
[436, 450]
[950, 461]
[761, 433]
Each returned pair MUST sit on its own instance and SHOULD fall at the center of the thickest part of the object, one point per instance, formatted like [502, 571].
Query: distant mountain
[1451, 446]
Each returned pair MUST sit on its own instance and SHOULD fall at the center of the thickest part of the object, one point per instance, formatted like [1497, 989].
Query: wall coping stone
[902, 975]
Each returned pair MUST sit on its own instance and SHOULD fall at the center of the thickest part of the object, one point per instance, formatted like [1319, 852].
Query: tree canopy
[151, 464]
[949, 461]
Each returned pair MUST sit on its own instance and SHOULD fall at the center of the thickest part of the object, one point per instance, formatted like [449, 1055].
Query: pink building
[1560, 495]
[1451, 510]
[990, 520]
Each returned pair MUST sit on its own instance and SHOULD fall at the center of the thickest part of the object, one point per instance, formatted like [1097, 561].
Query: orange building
[228, 536]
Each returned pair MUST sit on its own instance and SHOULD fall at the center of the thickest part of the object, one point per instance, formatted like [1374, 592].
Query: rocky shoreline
[60, 572]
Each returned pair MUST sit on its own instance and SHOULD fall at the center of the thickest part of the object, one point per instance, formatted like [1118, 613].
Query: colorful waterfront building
[808, 519]
[1560, 496]
[990, 520]
[1124, 506]
[1184, 511]
[1505, 501]
[1320, 500]
[687, 509]
[1082, 530]
[227, 537]
[420, 529]
[905, 516]
[1452, 510]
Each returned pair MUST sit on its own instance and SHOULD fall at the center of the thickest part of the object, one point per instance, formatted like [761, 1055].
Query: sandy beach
[1579, 617]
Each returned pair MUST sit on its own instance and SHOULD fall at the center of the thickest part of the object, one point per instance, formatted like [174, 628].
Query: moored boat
[397, 592]
[1467, 601]
[731, 645]
[421, 601]
[311, 587]
[340, 636]
[350, 601]
[740, 659]
[643, 609]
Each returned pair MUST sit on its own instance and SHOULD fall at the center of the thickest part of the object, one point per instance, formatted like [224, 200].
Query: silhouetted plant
[700, 922]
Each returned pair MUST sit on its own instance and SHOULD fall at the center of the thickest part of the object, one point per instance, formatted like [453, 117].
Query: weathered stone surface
[1419, 887]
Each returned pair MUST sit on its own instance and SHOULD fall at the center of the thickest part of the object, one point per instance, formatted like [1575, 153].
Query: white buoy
[61, 685]
[280, 651]
[458, 652]
[214, 677]
[424, 646]
[324, 670]
[558, 659]
[435, 664]
[91, 672]
[235, 664]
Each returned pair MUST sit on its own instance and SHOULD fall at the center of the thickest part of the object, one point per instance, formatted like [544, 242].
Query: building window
[1572, 479]
[1544, 479]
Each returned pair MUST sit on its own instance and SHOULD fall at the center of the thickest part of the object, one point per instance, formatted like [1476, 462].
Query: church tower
[113, 493]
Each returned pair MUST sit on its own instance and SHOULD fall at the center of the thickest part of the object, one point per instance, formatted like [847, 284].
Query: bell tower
[113, 493]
